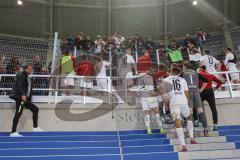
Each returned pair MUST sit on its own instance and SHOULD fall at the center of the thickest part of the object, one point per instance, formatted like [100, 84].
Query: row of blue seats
[150, 156]
[85, 151]
[60, 144]
[80, 138]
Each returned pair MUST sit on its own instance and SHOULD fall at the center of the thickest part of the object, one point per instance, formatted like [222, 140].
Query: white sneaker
[38, 129]
[15, 134]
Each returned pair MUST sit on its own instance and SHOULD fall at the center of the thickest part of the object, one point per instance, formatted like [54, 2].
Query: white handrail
[110, 88]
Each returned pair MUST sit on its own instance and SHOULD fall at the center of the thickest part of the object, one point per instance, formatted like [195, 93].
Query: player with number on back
[210, 62]
[178, 102]
[192, 78]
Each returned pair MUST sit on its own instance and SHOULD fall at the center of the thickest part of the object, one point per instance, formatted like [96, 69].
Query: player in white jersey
[178, 102]
[149, 102]
[101, 69]
[127, 67]
[230, 61]
[210, 62]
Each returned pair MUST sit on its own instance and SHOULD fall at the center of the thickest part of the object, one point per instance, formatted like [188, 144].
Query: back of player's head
[187, 65]
[128, 51]
[175, 71]
[207, 52]
[228, 49]
[203, 67]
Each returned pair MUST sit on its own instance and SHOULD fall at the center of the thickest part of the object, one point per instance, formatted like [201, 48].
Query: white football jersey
[146, 86]
[126, 65]
[177, 94]
[210, 63]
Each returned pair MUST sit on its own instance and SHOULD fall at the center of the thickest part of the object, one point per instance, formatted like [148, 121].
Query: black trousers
[19, 109]
[209, 96]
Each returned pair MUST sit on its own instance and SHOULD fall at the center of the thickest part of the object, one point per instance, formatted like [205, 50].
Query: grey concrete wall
[124, 117]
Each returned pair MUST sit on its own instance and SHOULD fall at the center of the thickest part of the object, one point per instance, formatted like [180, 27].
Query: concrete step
[196, 129]
[208, 147]
[197, 134]
[168, 126]
[201, 140]
[203, 155]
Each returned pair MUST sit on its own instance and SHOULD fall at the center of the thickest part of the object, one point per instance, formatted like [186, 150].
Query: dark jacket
[20, 88]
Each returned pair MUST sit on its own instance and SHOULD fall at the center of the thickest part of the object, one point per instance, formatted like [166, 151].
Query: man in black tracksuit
[22, 90]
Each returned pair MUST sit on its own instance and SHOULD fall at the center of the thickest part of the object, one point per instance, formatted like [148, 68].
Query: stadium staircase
[122, 145]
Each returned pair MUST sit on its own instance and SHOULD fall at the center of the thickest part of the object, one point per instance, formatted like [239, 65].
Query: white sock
[147, 120]
[190, 128]
[158, 119]
[180, 135]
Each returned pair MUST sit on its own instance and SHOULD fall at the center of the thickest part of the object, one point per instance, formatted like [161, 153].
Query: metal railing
[95, 89]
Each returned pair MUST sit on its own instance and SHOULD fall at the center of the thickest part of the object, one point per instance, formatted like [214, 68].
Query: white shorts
[67, 81]
[149, 103]
[177, 111]
[234, 76]
[85, 83]
[159, 98]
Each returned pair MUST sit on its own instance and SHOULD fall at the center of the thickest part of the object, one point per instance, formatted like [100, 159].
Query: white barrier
[227, 90]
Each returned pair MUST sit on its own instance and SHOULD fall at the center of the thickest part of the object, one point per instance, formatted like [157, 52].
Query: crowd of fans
[92, 57]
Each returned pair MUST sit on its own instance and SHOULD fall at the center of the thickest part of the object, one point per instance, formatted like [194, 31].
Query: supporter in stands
[101, 71]
[163, 55]
[86, 68]
[78, 39]
[78, 42]
[69, 42]
[86, 45]
[37, 66]
[208, 93]
[2, 71]
[194, 55]
[127, 68]
[138, 44]
[178, 103]
[173, 45]
[13, 67]
[230, 61]
[99, 44]
[67, 68]
[187, 40]
[144, 63]
[210, 62]
[150, 46]
[192, 78]
[201, 38]
[119, 39]
[2, 68]
[22, 94]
